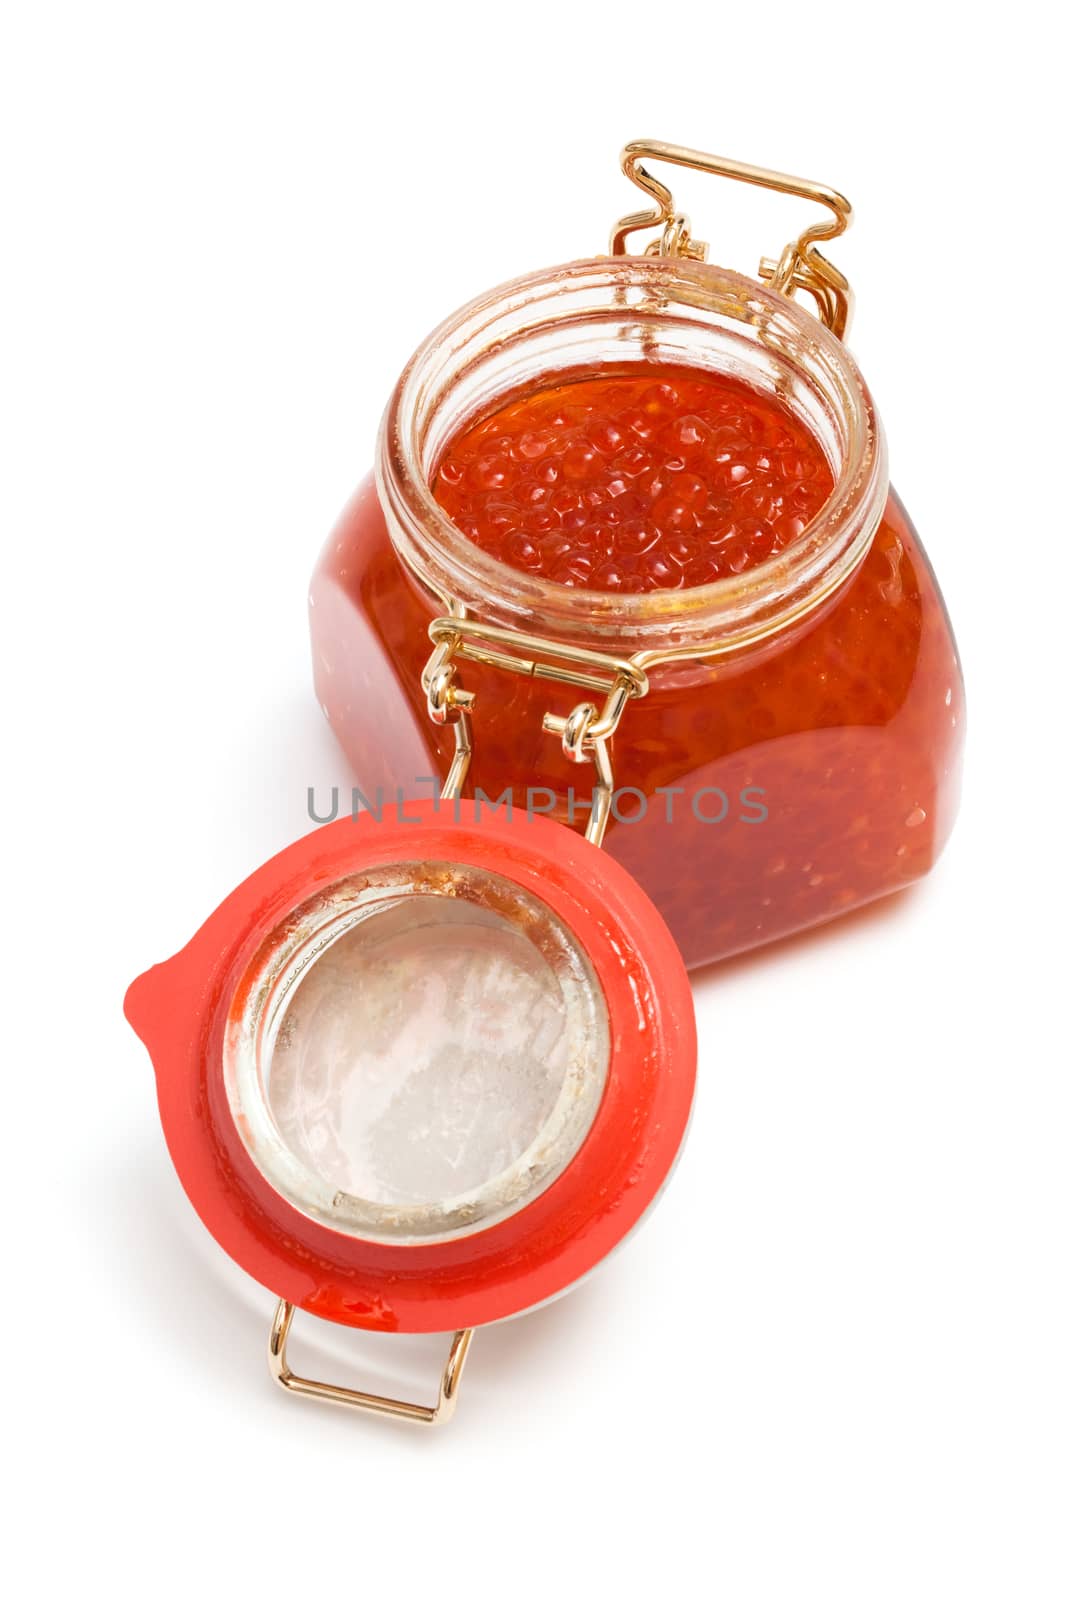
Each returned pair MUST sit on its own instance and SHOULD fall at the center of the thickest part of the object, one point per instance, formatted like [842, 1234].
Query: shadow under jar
[797, 753]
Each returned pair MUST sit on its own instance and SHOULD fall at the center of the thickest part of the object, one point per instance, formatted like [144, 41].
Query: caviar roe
[802, 779]
[622, 484]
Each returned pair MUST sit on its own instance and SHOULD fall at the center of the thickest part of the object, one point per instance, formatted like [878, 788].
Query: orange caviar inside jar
[717, 512]
[624, 484]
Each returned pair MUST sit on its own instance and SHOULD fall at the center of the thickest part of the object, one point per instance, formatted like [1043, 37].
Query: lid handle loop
[381, 1405]
[800, 267]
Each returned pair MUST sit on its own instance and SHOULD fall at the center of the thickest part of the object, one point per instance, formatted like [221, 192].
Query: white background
[833, 1362]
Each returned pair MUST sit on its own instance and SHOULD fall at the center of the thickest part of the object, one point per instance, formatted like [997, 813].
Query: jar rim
[630, 303]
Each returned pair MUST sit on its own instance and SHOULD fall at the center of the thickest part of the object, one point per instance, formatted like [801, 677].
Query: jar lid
[426, 1067]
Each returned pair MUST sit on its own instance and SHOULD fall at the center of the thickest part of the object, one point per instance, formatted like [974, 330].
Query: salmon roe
[621, 484]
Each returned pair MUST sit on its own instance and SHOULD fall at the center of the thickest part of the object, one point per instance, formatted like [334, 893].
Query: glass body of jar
[798, 752]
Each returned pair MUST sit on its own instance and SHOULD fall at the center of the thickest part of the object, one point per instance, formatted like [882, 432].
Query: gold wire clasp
[799, 267]
[447, 703]
[381, 1405]
[584, 733]
[585, 736]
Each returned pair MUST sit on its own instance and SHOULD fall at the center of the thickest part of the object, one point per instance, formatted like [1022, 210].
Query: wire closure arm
[799, 267]
[585, 733]
[356, 1399]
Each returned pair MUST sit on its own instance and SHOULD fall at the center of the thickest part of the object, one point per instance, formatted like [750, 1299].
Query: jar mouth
[600, 314]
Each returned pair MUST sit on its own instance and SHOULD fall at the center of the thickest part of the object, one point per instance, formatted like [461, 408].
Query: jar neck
[614, 312]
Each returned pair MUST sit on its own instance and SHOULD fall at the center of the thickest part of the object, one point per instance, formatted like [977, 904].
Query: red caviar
[622, 484]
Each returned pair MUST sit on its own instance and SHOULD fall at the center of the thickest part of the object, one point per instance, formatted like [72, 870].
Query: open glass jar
[428, 1066]
[784, 743]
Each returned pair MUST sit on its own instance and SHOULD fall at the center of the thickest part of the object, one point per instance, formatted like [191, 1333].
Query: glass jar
[423, 1071]
[790, 744]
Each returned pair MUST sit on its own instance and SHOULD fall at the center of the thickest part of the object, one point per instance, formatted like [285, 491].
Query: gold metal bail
[799, 267]
[381, 1405]
[584, 734]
